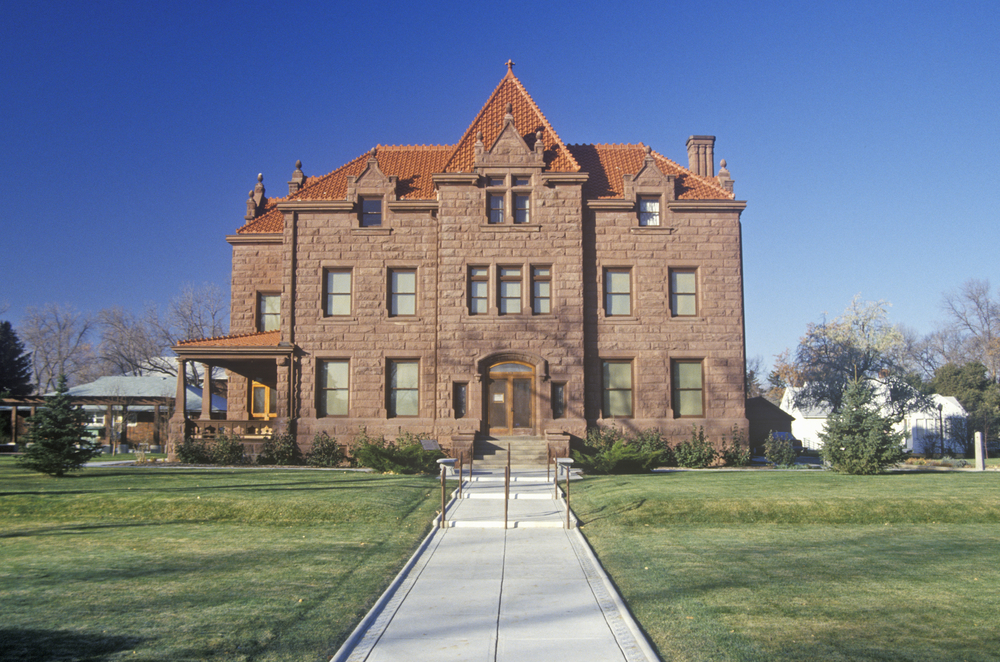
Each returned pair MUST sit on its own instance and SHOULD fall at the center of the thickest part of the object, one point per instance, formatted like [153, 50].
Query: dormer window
[371, 212]
[649, 211]
[509, 199]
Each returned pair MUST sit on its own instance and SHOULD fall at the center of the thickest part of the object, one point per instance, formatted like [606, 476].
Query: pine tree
[858, 439]
[57, 441]
[15, 363]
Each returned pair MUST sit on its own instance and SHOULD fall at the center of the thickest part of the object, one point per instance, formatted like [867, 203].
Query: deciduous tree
[59, 336]
[973, 314]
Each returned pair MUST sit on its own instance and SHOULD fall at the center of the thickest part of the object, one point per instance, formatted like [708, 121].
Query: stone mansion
[508, 285]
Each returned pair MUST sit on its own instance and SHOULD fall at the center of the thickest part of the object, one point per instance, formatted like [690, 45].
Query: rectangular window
[268, 312]
[371, 212]
[558, 400]
[263, 404]
[541, 290]
[479, 286]
[334, 388]
[403, 388]
[402, 292]
[649, 211]
[688, 388]
[683, 293]
[459, 398]
[337, 286]
[617, 389]
[618, 291]
[522, 208]
[510, 290]
[496, 207]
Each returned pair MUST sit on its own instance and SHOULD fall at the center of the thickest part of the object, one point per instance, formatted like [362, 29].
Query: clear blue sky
[863, 135]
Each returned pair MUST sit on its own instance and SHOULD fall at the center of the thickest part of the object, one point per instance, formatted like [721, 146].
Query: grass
[804, 566]
[183, 564]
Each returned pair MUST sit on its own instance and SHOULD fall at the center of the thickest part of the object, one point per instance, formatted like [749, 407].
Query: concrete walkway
[476, 591]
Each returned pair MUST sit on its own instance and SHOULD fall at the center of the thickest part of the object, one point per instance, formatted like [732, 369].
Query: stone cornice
[707, 205]
[466, 178]
[564, 178]
[316, 205]
[613, 204]
[413, 205]
[255, 238]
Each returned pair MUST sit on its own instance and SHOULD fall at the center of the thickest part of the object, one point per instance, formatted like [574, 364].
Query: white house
[924, 430]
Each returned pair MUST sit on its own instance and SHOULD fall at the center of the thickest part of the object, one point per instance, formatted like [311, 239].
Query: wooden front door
[509, 399]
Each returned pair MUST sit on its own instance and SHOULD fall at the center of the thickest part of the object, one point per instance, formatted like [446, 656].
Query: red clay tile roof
[413, 165]
[607, 163]
[262, 339]
[527, 118]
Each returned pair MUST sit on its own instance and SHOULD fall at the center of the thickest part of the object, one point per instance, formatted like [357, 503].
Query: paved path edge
[610, 601]
[385, 607]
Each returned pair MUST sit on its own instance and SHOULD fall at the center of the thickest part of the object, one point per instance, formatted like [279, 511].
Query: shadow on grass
[31, 645]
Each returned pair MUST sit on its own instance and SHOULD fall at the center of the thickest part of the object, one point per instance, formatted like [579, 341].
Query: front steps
[524, 451]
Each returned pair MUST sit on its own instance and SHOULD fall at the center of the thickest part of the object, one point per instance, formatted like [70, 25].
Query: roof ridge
[533, 106]
[411, 147]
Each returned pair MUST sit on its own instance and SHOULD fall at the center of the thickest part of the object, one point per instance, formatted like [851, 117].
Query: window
[371, 212]
[508, 199]
[262, 401]
[649, 211]
[337, 286]
[334, 388]
[496, 207]
[618, 291]
[617, 389]
[479, 290]
[558, 400]
[510, 290]
[688, 388]
[522, 204]
[459, 398]
[268, 312]
[402, 292]
[683, 293]
[541, 290]
[403, 389]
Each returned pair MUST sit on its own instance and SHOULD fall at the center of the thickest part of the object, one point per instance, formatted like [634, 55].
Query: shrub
[697, 452]
[779, 451]
[326, 452]
[609, 451]
[403, 456]
[193, 451]
[280, 450]
[858, 439]
[737, 452]
[227, 449]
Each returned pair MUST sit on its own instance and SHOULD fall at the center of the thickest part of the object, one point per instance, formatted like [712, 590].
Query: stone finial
[251, 208]
[298, 179]
[258, 192]
[539, 143]
[649, 154]
[510, 66]
[725, 181]
[479, 147]
[508, 112]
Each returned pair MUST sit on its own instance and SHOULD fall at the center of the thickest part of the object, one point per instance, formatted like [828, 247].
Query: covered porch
[258, 358]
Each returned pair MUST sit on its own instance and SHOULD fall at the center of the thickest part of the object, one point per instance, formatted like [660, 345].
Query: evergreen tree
[858, 439]
[57, 440]
[15, 363]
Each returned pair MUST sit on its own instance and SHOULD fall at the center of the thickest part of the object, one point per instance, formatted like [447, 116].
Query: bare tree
[974, 320]
[133, 344]
[59, 337]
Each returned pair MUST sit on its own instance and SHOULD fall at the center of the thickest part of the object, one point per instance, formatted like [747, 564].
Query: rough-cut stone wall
[257, 267]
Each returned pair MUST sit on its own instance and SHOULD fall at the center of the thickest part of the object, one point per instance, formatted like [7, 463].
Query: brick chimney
[701, 155]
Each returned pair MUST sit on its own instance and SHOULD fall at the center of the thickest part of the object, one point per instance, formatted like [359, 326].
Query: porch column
[206, 393]
[178, 422]
[283, 393]
[109, 428]
[156, 425]
[13, 424]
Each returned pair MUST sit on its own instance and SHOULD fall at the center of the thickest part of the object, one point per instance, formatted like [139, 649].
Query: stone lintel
[707, 205]
[256, 238]
[316, 205]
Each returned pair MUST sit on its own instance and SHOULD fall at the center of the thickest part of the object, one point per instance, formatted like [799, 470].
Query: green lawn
[183, 564]
[804, 566]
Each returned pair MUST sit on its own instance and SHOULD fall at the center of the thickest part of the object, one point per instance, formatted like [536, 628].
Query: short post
[980, 452]
[565, 463]
[460, 475]
[506, 493]
[445, 463]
